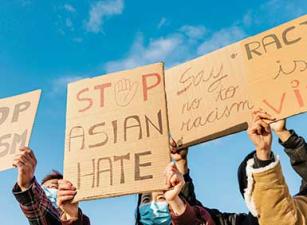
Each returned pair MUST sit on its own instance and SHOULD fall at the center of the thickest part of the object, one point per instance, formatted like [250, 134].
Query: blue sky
[45, 44]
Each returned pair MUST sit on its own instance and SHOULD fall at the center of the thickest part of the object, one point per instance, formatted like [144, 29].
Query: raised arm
[268, 197]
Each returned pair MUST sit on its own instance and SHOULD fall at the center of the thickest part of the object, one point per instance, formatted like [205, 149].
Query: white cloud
[69, 8]
[194, 32]
[172, 49]
[101, 10]
[186, 43]
[157, 50]
[191, 41]
[221, 38]
[59, 85]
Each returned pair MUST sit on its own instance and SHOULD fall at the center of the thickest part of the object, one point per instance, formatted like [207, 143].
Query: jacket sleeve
[219, 218]
[224, 218]
[269, 197]
[36, 206]
[193, 215]
[296, 149]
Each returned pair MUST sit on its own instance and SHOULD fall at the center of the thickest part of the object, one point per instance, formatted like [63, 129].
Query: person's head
[50, 185]
[152, 209]
[51, 180]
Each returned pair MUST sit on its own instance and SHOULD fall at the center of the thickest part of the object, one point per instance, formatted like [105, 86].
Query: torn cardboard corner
[213, 95]
[17, 116]
[117, 133]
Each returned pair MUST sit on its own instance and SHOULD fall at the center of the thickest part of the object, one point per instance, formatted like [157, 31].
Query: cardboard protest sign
[212, 96]
[117, 133]
[16, 121]
[207, 96]
[276, 68]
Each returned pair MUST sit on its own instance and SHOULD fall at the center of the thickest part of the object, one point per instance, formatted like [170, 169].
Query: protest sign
[17, 116]
[213, 95]
[117, 133]
[276, 69]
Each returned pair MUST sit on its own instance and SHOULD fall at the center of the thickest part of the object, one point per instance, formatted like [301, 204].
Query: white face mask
[52, 195]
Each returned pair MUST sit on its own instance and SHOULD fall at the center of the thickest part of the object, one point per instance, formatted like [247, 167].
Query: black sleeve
[187, 192]
[218, 217]
[222, 218]
[263, 163]
[296, 149]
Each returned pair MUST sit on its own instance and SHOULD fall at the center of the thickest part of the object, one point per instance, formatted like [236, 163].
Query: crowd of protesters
[260, 177]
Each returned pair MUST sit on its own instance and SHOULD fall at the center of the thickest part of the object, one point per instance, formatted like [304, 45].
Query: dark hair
[54, 174]
[242, 176]
[137, 211]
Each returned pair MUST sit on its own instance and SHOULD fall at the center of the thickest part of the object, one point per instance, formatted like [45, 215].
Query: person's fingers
[173, 150]
[67, 193]
[264, 126]
[169, 171]
[27, 158]
[254, 114]
[27, 151]
[172, 142]
[17, 163]
[172, 145]
[63, 199]
[66, 186]
[267, 127]
[174, 179]
[21, 158]
[257, 129]
[253, 129]
[31, 153]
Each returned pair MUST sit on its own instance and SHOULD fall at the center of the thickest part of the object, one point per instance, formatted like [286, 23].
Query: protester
[267, 194]
[219, 218]
[296, 149]
[166, 208]
[49, 203]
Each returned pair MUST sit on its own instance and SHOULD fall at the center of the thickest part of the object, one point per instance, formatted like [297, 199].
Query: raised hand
[174, 180]
[280, 129]
[25, 162]
[66, 193]
[125, 91]
[260, 134]
[179, 156]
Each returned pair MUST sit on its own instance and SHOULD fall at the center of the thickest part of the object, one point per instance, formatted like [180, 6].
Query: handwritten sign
[117, 133]
[213, 95]
[276, 68]
[16, 121]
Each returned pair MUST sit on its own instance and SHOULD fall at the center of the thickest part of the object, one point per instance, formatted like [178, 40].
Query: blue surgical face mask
[155, 213]
[52, 195]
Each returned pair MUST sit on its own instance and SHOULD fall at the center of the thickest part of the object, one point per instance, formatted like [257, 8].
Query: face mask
[155, 213]
[51, 194]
